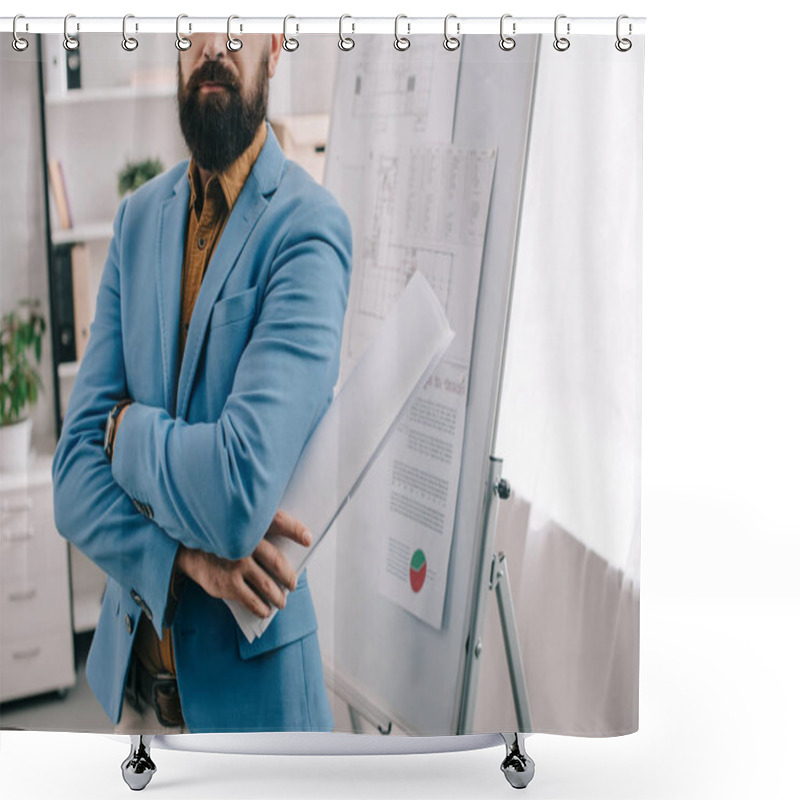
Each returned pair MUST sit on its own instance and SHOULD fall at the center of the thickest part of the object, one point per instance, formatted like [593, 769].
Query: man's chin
[213, 100]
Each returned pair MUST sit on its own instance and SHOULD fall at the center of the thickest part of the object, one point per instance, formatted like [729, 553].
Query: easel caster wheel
[518, 770]
[517, 766]
[138, 768]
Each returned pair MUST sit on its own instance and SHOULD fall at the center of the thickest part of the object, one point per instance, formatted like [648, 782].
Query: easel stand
[518, 767]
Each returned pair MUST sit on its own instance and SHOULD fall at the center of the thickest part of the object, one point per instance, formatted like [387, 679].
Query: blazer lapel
[171, 230]
[249, 206]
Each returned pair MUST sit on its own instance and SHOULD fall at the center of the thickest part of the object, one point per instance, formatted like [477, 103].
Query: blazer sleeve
[91, 510]
[223, 480]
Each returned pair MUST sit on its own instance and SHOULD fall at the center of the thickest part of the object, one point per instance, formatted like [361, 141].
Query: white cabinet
[36, 653]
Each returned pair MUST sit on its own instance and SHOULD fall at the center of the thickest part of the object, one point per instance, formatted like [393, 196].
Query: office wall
[23, 255]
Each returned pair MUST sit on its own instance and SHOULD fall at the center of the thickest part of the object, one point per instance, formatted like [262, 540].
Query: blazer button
[128, 623]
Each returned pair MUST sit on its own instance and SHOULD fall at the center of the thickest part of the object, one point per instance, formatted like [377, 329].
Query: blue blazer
[205, 451]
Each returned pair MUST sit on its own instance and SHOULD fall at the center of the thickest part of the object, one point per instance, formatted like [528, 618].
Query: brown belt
[158, 691]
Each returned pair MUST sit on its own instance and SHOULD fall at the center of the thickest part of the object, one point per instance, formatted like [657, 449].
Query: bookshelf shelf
[94, 231]
[110, 94]
[68, 369]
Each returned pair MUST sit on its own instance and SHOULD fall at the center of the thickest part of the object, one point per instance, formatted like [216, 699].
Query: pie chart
[417, 570]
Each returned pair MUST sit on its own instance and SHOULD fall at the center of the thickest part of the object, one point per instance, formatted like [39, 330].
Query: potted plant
[136, 173]
[20, 332]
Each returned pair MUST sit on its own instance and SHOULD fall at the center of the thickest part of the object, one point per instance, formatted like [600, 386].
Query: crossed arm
[212, 485]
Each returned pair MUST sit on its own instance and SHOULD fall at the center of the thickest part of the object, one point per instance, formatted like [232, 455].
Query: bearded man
[212, 356]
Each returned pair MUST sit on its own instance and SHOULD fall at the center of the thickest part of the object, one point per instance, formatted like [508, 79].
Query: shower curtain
[366, 287]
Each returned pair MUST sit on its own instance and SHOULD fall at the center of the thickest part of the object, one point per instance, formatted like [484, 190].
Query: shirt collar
[232, 179]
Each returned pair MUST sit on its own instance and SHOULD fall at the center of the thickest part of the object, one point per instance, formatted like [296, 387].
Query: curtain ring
[128, 42]
[623, 45]
[561, 43]
[233, 44]
[401, 42]
[290, 44]
[181, 42]
[451, 42]
[507, 42]
[18, 43]
[70, 42]
[346, 42]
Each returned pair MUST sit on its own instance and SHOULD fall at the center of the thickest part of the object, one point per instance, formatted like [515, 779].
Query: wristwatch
[111, 426]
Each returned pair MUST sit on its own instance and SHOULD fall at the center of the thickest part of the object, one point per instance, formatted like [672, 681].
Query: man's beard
[220, 125]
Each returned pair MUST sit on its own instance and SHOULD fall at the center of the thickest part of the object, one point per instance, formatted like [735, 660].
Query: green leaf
[19, 380]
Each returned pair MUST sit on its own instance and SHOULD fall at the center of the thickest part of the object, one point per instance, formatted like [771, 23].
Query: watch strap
[113, 418]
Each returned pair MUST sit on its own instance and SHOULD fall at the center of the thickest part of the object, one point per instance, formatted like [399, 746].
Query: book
[63, 315]
[58, 189]
[73, 65]
[81, 297]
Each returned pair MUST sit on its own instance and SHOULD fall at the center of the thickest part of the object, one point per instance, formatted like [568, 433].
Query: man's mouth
[212, 86]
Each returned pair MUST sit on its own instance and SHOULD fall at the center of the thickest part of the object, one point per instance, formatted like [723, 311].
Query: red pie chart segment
[417, 570]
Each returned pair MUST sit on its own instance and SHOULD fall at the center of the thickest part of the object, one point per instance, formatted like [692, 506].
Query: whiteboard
[381, 659]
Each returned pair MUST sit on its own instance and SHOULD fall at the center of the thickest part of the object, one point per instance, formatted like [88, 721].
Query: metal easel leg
[508, 624]
[138, 768]
[517, 766]
[355, 720]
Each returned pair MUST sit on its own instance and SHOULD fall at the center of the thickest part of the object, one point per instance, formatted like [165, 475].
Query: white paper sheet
[399, 359]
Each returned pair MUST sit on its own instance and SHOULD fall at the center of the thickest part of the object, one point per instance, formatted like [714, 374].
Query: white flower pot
[15, 445]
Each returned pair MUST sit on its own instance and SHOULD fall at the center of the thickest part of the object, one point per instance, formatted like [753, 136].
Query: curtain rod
[514, 26]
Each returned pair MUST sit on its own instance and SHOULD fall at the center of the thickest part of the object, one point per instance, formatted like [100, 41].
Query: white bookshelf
[68, 370]
[112, 94]
[91, 232]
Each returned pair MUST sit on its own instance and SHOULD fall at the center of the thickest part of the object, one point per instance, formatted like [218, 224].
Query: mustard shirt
[209, 209]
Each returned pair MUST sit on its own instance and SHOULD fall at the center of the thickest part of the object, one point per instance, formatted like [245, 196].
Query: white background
[720, 617]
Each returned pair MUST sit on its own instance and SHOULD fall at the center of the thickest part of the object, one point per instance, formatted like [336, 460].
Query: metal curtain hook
[290, 44]
[507, 42]
[181, 42]
[346, 42]
[128, 42]
[401, 42]
[18, 43]
[451, 42]
[233, 44]
[623, 45]
[70, 43]
[561, 43]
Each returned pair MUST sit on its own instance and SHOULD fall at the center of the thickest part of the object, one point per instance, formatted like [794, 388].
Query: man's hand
[252, 581]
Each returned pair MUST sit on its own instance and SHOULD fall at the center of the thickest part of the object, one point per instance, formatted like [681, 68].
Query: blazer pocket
[233, 308]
